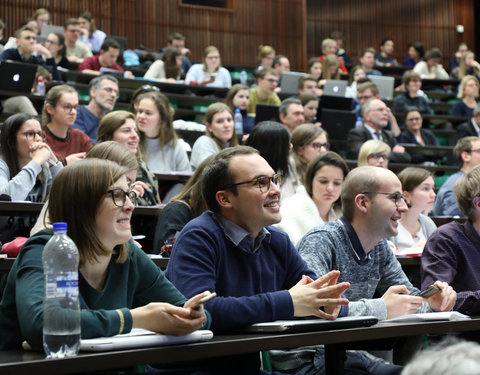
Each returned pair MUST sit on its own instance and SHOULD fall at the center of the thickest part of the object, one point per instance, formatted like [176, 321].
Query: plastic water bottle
[40, 86]
[359, 122]
[238, 119]
[243, 77]
[61, 308]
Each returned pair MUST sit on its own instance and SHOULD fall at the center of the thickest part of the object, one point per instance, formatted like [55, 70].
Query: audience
[220, 133]
[412, 97]
[28, 51]
[106, 61]
[215, 251]
[314, 202]
[375, 119]
[91, 196]
[454, 62]
[104, 92]
[355, 244]
[239, 97]
[310, 108]
[329, 47]
[468, 66]
[76, 51]
[339, 38]
[55, 43]
[58, 116]
[471, 127]
[178, 40]
[416, 52]
[314, 68]
[121, 127]
[89, 34]
[415, 134]
[385, 56]
[210, 73]
[168, 68]
[356, 73]
[182, 208]
[451, 252]
[291, 113]
[272, 140]
[330, 68]
[308, 141]
[414, 227]
[265, 56]
[367, 61]
[41, 17]
[431, 67]
[27, 164]
[467, 153]
[264, 92]
[468, 93]
[374, 153]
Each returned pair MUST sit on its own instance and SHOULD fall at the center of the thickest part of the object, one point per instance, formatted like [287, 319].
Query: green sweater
[134, 283]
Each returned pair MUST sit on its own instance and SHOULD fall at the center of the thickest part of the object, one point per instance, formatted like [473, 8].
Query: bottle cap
[40, 79]
[59, 227]
[237, 110]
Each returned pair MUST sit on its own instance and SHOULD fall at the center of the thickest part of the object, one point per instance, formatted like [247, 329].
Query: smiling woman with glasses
[210, 73]
[58, 116]
[27, 164]
[307, 141]
[120, 287]
[316, 202]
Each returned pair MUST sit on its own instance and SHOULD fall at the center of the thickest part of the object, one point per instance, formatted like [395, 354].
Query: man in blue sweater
[254, 268]
[372, 204]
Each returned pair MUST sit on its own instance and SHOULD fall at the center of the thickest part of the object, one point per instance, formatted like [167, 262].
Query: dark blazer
[466, 129]
[357, 136]
[427, 136]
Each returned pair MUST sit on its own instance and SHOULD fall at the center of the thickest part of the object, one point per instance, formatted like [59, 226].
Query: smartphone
[203, 300]
[430, 291]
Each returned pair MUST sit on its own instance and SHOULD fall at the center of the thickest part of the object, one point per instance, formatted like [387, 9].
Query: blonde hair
[371, 146]
[463, 82]
[264, 51]
[328, 61]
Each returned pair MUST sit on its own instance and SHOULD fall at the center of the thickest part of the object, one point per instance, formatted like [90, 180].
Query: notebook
[385, 86]
[289, 82]
[335, 87]
[337, 123]
[140, 338]
[311, 325]
[17, 76]
[265, 112]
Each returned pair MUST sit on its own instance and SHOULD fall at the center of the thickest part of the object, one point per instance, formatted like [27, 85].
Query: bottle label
[63, 285]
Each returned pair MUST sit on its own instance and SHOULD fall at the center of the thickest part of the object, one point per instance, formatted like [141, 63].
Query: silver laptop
[385, 86]
[289, 82]
[335, 87]
[141, 338]
[312, 325]
[48, 29]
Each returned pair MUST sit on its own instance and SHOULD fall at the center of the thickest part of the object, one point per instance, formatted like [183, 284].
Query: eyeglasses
[378, 156]
[263, 183]
[318, 145]
[31, 134]
[69, 108]
[414, 119]
[397, 197]
[119, 197]
[272, 80]
[475, 150]
[110, 90]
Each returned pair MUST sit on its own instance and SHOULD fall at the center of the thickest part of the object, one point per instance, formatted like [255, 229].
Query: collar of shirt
[354, 240]
[239, 236]
[475, 126]
[372, 131]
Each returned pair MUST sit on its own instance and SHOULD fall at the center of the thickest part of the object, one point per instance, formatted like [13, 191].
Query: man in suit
[375, 119]
[472, 127]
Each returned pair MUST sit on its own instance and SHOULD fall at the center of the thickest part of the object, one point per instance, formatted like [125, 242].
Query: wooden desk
[434, 151]
[20, 362]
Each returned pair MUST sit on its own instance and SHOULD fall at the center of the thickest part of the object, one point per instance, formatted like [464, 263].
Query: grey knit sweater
[328, 247]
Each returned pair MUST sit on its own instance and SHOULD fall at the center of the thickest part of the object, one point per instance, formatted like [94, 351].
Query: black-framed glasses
[68, 108]
[119, 197]
[378, 156]
[318, 145]
[475, 150]
[263, 183]
[30, 135]
[397, 197]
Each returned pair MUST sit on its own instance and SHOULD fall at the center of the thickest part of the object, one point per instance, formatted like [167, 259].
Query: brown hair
[231, 94]
[303, 135]
[411, 177]
[76, 195]
[208, 50]
[212, 110]
[52, 98]
[318, 162]
[466, 189]
[114, 151]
